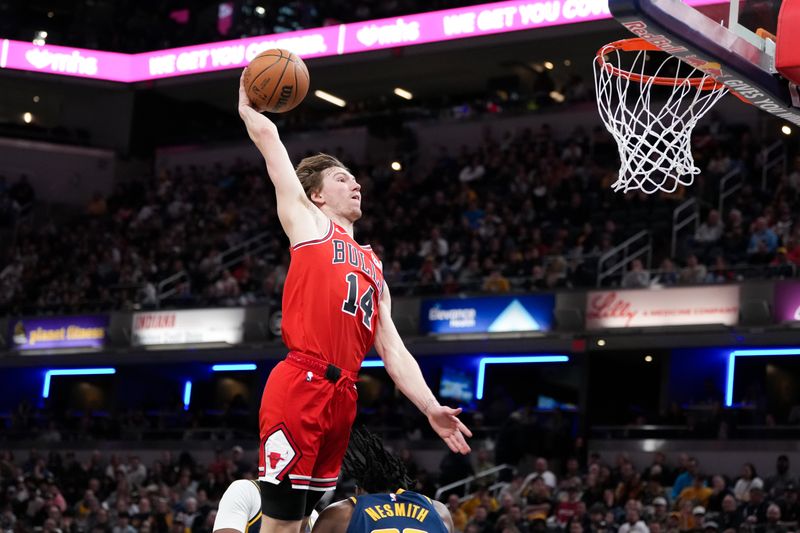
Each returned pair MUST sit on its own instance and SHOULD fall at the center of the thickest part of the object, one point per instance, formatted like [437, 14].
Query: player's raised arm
[406, 374]
[300, 218]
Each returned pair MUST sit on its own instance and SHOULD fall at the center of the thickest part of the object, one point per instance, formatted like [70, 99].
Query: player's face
[341, 193]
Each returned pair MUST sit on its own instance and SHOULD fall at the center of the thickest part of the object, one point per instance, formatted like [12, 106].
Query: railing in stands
[232, 256]
[729, 184]
[690, 213]
[466, 483]
[774, 155]
[644, 241]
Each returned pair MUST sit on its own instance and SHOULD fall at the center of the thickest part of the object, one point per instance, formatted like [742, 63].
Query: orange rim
[637, 44]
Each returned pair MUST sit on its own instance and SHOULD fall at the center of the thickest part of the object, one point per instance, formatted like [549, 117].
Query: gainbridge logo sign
[787, 301]
[499, 314]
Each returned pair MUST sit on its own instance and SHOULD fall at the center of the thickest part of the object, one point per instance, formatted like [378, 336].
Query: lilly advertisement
[491, 314]
[341, 39]
[59, 332]
[787, 301]
[667, 307]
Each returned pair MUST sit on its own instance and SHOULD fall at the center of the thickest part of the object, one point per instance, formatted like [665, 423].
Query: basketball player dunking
[335, 306]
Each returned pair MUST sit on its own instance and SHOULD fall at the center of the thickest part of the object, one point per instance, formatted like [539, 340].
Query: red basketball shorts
[305, 420]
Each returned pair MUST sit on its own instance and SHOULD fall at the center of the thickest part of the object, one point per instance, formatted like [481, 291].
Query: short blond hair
[310, 171]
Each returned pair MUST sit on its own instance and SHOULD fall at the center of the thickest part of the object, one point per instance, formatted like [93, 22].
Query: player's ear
[317, 196]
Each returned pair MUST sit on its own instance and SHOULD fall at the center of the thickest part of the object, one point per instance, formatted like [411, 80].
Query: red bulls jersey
[330, 299]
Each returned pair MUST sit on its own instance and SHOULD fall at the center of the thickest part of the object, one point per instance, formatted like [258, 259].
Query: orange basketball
[276, 80]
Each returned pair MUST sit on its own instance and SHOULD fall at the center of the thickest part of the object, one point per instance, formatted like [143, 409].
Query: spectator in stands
[719, 164]
[686, 478]
[567, 508]
[708, 234]
[435, 245]
[537, 497]
[784, 223]
[719, 490]
[660, 511]
[653, 489]
[730, 517]
[790, 504]
[513, 521]
[792, 249]
[776, 484]
[754, 510]
[781, 266]
[541, 471]
[483, 462]
[667, 275]
[636, 277]
[694, 272]
[720, 272]
[633, 523]
[774, 524]
[514, 488]
[734, 240]
[495, 282]
[762, 238]
[748, 479]
[459, 516]
[480, 520]
[697, 493]
[571, 473]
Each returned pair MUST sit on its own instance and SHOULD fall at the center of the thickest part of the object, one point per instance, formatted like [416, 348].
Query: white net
[652, 124]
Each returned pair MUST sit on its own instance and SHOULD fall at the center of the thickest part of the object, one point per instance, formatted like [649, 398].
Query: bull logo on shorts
[280, 455]
[274, 457]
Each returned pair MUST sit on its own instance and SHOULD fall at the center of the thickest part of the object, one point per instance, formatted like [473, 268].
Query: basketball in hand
[276, 81]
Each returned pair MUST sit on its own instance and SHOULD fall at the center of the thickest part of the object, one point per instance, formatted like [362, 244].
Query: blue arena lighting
[372, 363]
[72, 372]
[765, 352]
[512, 360]
[234, 367]
[187, 395]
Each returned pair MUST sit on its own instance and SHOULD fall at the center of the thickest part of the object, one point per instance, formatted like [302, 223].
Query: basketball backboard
[752, 46]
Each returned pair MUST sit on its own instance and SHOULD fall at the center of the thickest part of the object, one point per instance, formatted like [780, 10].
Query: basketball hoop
[653, 138]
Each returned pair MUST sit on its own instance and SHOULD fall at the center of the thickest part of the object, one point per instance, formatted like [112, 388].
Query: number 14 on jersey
[353, 303]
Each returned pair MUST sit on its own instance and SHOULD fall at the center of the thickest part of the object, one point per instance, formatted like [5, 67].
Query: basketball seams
[278, 83]
[301, 66]
[289, 78]
[283, 81]
[296, 86]
[262, 71]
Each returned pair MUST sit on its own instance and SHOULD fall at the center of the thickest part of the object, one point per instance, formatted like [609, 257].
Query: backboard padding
[709, 46]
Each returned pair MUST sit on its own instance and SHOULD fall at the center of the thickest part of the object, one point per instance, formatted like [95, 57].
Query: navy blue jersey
[395, 512]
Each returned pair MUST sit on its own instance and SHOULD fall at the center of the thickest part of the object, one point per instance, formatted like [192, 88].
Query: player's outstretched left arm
[406, 374]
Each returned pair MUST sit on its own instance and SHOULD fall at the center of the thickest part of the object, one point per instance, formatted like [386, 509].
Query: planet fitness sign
[436, 26]
[59, 332]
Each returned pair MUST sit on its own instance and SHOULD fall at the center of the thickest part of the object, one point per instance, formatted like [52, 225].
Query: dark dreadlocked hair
[372, 466]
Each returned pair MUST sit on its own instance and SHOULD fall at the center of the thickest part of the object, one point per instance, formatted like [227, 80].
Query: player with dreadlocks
[383, 501]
